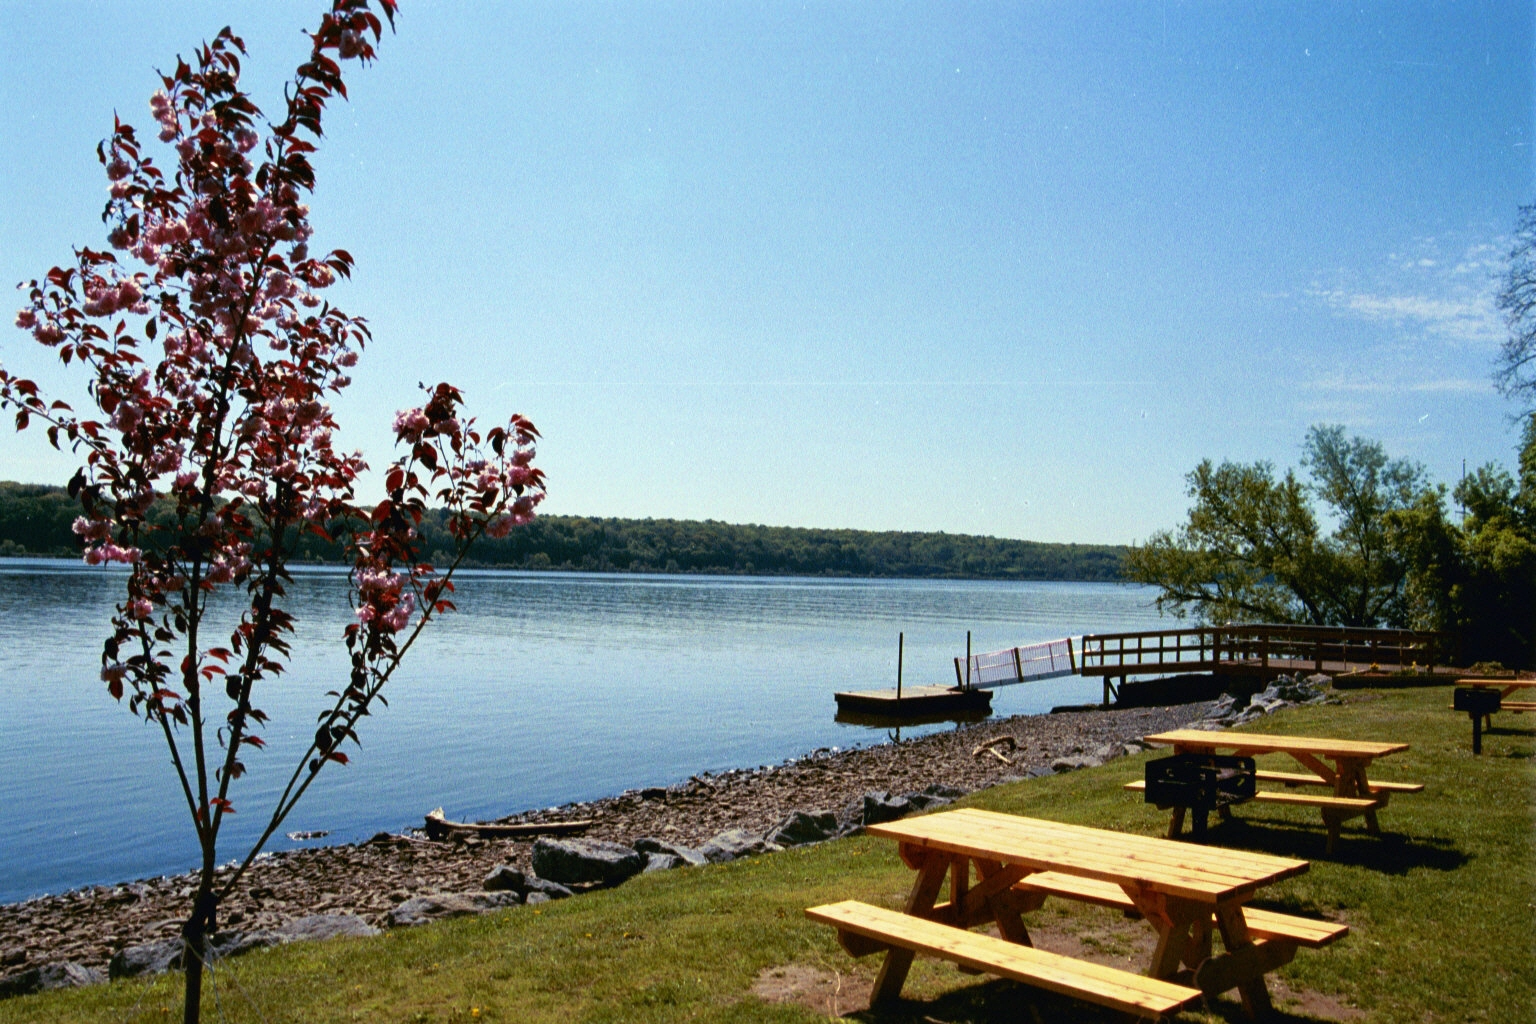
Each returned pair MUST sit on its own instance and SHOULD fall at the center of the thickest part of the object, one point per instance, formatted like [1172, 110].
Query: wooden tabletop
[1200, 873]
[1513, 684]
[1263, 743]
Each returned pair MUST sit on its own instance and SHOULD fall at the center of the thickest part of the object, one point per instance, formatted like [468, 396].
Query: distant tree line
[36, 520]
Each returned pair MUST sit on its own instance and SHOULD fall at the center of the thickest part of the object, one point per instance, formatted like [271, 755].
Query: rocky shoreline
[70, 938]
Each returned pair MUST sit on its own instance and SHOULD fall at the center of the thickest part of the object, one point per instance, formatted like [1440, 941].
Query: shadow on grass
[1392, 853]
[1006, 1002]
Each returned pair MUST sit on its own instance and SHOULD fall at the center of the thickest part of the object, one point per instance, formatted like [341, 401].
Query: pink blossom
[411, 421]
[91, 529]
[126, 417]
[117, 168]
[140, 608]
[26, 319]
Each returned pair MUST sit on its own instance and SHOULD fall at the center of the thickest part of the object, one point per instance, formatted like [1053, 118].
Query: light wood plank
[1179, 869]
[1105, 986]
[1306, 779]
[1261, 742]
[1265, 924]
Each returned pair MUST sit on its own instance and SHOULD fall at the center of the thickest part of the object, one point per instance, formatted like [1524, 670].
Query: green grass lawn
[1442, 911]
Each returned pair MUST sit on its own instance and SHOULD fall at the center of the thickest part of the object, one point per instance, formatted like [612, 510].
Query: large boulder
[735, 843]
[145, 958]
[584, 861]
[687, 854]
[544, 889]
[326, 926]
[436, 907]
[66, 974]
[165, 955]
[802, 827]
[663, 862]
[505, 878]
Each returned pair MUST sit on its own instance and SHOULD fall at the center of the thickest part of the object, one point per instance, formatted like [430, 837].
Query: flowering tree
[212, 266]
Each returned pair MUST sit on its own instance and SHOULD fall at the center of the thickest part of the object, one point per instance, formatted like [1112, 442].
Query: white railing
[1049, 660]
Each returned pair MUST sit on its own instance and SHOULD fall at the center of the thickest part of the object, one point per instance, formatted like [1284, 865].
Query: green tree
[1252, 548]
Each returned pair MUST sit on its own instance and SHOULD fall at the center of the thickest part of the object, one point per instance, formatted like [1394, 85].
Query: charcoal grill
[1479, 702]
[1200, 782]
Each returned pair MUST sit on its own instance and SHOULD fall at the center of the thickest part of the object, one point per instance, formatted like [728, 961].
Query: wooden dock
[1262, 650]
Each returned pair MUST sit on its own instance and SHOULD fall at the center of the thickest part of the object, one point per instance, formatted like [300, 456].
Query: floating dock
[914, 702]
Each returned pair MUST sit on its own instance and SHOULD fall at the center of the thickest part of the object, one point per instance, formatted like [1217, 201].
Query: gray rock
[316, 927]
[922, 801]
[227, 944]
[580, 861]
[551, 890]
[734, 843]
[943, 792]
[881, 807]
[504, 878]
[424, 909]
[1073, 762]
[147, 958]
[533, 899]
[66, 974]
[688, 855]
[663, 862]
[802, 827]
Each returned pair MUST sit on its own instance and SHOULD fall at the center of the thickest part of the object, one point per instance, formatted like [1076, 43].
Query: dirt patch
[1306, 1003]
[825, 992]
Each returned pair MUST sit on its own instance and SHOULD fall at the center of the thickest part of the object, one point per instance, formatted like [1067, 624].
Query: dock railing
[1048, 660]
[1259, 649]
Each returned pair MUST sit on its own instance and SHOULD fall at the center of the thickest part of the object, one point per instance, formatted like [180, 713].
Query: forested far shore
[36, 519]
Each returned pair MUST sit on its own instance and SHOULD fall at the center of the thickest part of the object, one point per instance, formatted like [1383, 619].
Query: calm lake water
[545, 688]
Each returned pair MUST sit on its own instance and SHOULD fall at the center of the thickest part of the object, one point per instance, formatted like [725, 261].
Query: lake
[544, 688]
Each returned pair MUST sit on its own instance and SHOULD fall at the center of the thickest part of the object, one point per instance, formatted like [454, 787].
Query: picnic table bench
[1354, 795]
[1187, 894]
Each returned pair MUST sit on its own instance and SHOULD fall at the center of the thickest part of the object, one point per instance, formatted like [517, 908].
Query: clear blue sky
[1008, 269]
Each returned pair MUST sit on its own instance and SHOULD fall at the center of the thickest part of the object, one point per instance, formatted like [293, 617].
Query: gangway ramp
[1050, 659]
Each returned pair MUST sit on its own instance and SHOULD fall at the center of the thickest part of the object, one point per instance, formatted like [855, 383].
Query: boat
[439, 827]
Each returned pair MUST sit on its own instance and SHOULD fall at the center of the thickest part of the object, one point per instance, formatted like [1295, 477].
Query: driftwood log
[990, 747]
[439, 827]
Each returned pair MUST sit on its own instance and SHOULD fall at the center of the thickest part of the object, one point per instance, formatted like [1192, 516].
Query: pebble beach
[88, 926]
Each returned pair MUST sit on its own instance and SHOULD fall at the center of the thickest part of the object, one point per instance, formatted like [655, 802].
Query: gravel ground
[368, 879]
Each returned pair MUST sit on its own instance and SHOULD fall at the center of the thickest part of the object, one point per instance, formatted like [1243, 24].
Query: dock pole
[901, 640]
[967, 659]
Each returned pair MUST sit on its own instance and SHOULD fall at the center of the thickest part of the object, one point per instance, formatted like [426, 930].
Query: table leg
[925, 890]
[1352, 772]
[1234, 936]
[1172, 918]
[1176, 823]
[1003, 904]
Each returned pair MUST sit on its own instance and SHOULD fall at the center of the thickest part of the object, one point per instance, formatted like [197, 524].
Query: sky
[1009, 269]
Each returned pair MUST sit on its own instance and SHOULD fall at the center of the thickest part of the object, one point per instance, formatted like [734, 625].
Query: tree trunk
[199, 927]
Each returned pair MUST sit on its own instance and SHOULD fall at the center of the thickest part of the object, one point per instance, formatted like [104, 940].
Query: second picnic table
[1185, 892]
[1353, 794]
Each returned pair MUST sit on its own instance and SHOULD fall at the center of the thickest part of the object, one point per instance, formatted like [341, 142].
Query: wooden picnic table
[1353, 793]
[1187, 893]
